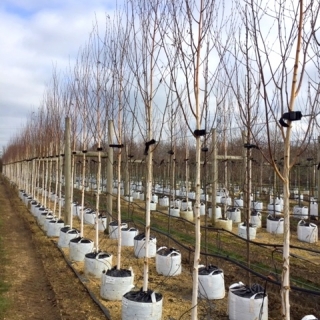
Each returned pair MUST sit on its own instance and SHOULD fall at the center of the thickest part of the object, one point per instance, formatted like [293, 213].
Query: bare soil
[60, 294]
[41, 284]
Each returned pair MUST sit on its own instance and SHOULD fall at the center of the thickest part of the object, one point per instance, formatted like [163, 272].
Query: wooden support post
[109, 172]
[318, 189]
[67, 173]
[214, 176]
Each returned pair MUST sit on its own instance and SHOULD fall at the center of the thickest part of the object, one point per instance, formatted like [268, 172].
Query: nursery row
[167, 263]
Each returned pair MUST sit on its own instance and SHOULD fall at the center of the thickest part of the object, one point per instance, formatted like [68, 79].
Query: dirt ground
[41, 285]
[44, 286]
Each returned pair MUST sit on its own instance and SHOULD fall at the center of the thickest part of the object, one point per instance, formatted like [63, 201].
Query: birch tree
[189, 40]
[116, 48]
[144, 62]
[282, 50]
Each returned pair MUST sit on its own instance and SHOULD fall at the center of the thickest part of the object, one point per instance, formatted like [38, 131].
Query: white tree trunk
[195, 285]
[285, 287]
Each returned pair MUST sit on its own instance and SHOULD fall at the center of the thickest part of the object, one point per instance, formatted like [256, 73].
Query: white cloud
[34, 36]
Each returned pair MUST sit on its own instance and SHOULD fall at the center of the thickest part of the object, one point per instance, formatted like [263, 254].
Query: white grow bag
[168, 261]
[89, 216]
[226, 200]
[140, 246]
[128, 198]
[153, 206]
[46, 222]
[34, 208]
[54, 227]
[275, 225]
[300, 212]
[274, 208]
[155, 198]
[211, 283]
[307, 232]
[132, 310]
[225, 224]
[113, 229]
[43, 216]
[313, 208]
[102, 222]
[164, 201]
[174, 212]
[136, 195]
[79, 247]
[177, 203]
[113, 288]
[257, 205]
[95, 263]
[186, 204]
[234, 214]
[245, 304]
[256, 218]
[238, 203]
[39, 211]
[66, 234]
[127, 236]
[187, 214]
[76, 209]
[202, 208]
[218, 213]
[242, 231]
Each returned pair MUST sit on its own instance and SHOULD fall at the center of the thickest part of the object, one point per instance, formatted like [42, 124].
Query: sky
[36, 35]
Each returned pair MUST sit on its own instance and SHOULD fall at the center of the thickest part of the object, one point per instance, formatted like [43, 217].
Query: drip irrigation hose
[226, 257]
[235, 262]
[83, 280]
[235, 235]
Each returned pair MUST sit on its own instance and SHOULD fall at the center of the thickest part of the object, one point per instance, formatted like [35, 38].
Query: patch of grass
[258, 266]
[4, 287]
[189, 239]
[4, 303]
[225, 245]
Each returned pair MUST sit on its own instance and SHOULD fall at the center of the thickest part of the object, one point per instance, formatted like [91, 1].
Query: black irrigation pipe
[266, 278]
[227, 258]
[261, 243]
[81, 278]
[236, 236]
